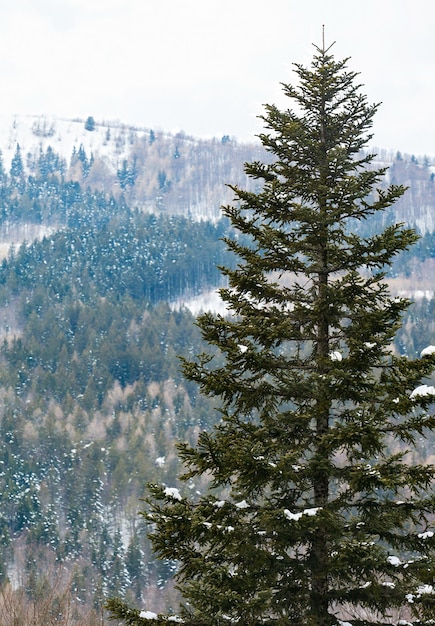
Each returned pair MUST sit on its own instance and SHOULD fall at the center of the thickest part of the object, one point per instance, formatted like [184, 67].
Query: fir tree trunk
[320, 547]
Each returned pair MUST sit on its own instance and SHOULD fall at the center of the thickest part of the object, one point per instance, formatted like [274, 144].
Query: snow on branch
[294, 517]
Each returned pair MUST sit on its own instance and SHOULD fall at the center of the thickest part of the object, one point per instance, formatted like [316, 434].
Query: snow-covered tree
[317, 511]
[17, 168]
[90, 123]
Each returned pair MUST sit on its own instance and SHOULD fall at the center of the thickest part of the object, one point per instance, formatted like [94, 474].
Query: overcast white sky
[207, 66]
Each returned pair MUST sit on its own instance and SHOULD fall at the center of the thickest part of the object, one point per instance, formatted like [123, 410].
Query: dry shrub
[47, 606]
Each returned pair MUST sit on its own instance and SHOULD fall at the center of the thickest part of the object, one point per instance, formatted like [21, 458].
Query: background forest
[106, 235]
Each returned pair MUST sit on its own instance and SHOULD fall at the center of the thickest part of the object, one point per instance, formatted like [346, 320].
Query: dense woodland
[91, 395]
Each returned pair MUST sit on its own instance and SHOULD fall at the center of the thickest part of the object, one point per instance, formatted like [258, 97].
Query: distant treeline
[131, 254]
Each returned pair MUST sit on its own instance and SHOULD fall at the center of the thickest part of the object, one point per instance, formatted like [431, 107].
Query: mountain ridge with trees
[176, 173]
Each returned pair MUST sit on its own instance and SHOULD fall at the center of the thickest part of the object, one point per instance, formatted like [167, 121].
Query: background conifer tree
[317, 511]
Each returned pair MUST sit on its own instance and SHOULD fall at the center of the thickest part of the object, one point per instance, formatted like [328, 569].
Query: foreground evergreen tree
[317, 510]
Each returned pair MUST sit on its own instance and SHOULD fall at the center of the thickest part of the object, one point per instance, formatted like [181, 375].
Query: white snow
[152, 615]
[311, 512]
[207, 301]
[427, 535]
[35, 132]
[427, 351]
[294, 517]
[148, 615]
[242, 348]
[172, 492]
[242, 505]
[335, 356]
[418, 294]
[160, 461]
[394, 560]
[423, 390]
[219, 504]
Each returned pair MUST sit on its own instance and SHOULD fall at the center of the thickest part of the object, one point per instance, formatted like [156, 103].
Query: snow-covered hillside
[111, 141]
[177, 174]
[155, 170]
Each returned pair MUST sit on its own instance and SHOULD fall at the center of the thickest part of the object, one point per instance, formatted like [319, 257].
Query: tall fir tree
[17, 168]
[318, 511]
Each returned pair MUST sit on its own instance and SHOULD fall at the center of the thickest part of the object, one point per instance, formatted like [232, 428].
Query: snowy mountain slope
[37, 132]
[154, 170]
[178, 174]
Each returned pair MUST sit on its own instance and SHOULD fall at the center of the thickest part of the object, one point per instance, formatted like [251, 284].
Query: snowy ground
[32, 132]
[207, 301]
